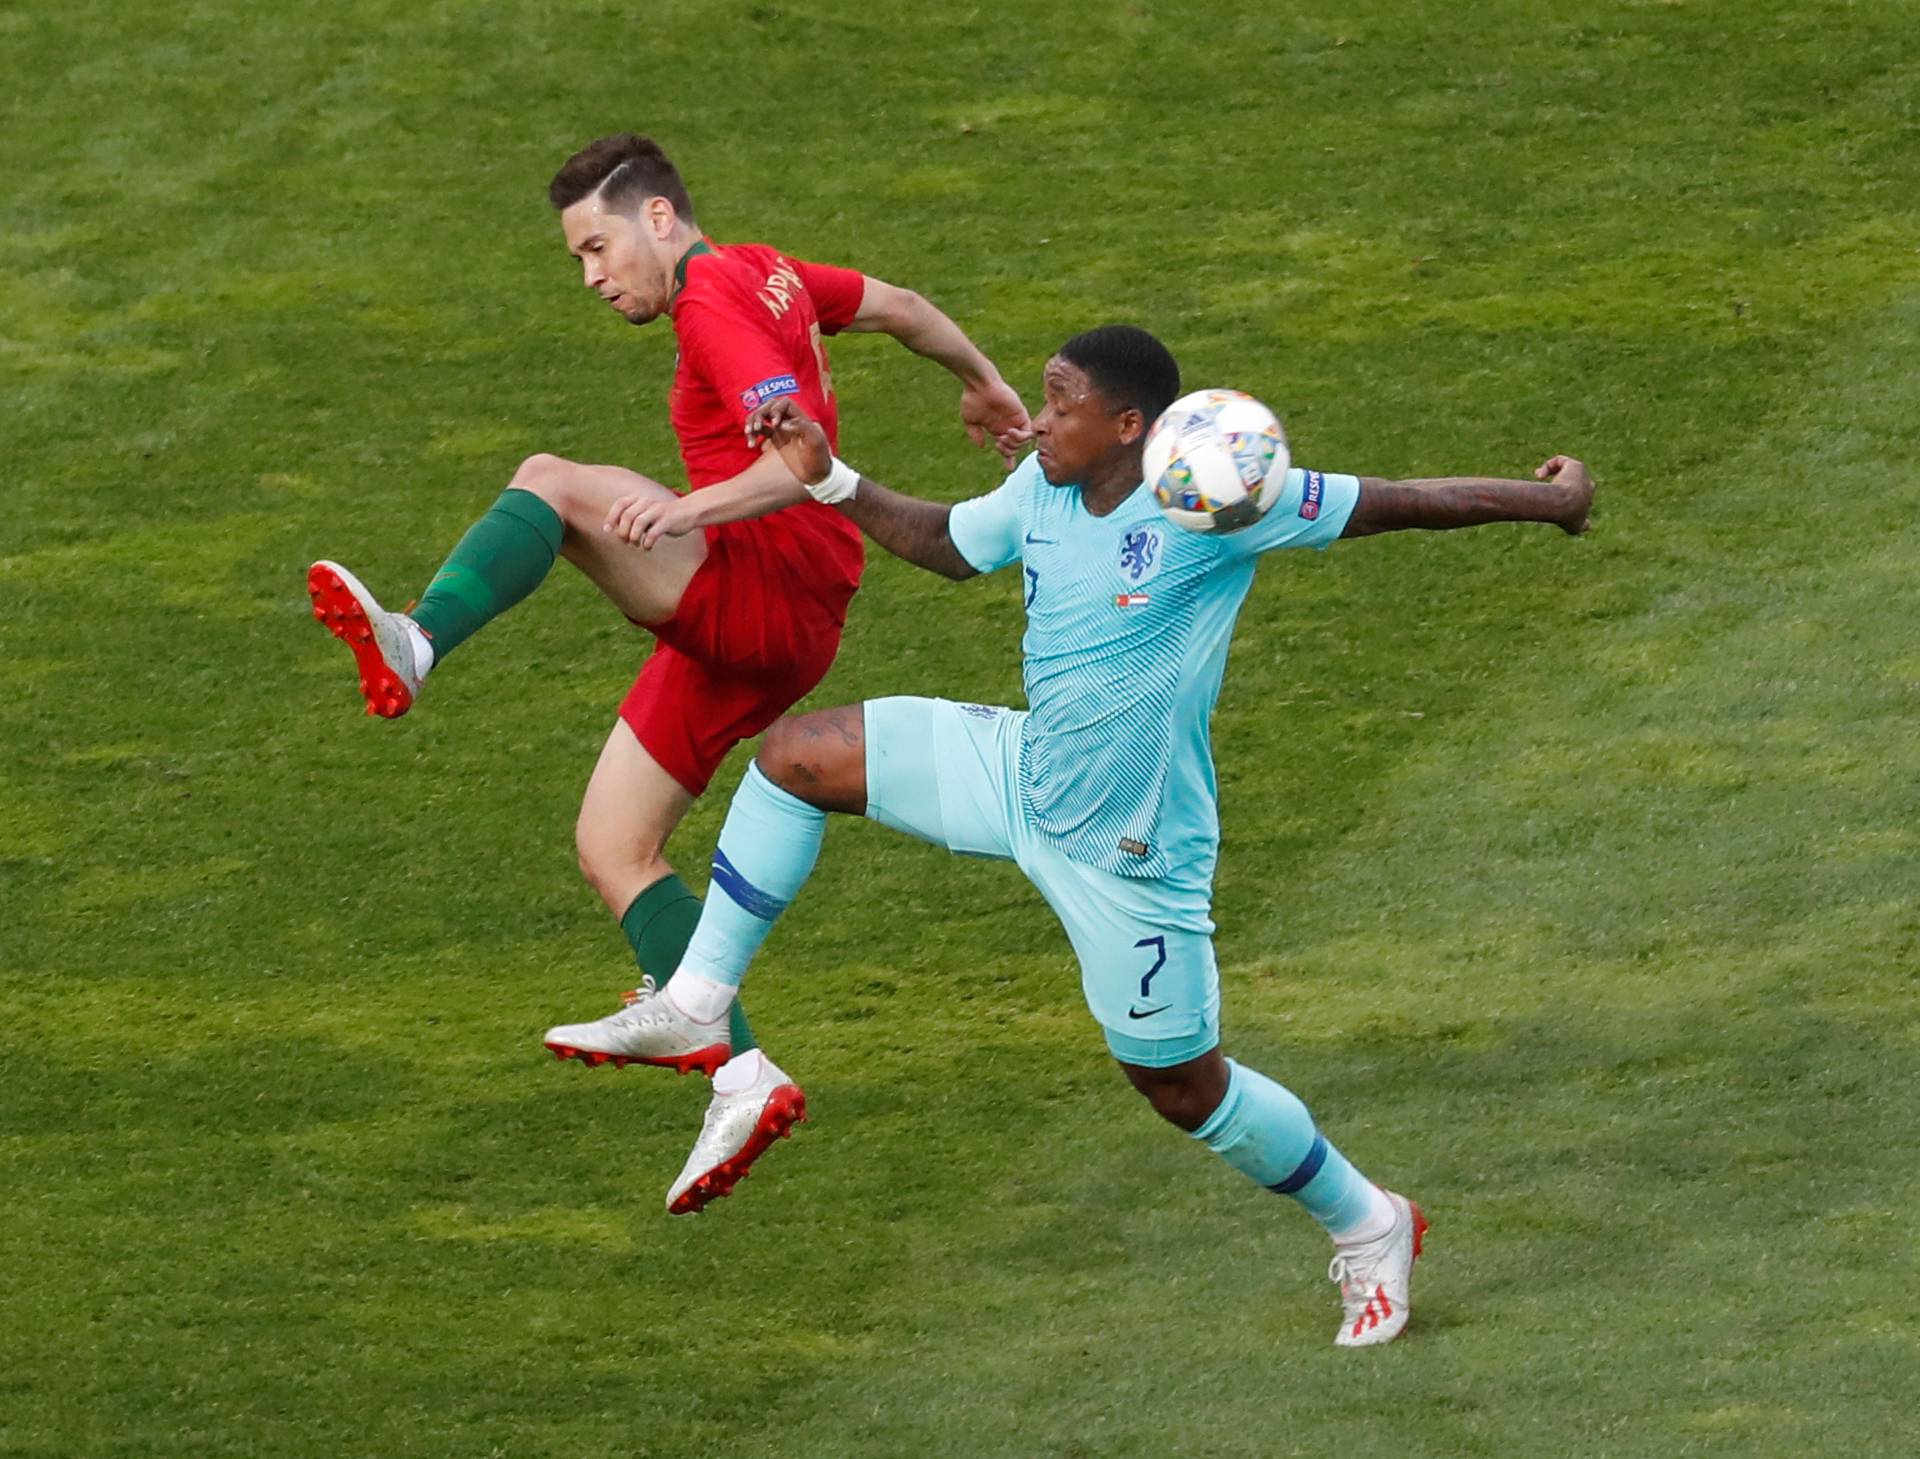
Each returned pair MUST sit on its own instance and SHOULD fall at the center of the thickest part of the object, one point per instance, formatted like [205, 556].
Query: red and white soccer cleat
[389, 676]
[1375, 1277]
[739, 1127]
[651, 1029]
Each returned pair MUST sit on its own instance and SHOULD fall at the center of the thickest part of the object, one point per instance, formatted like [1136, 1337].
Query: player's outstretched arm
[1561, 493]
[909, 528]
[989, 407]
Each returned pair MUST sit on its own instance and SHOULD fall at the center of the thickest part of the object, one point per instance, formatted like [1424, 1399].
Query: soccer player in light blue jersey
[1102, 791]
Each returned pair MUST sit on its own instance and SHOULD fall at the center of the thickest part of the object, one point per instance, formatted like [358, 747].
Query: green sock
[659, 924]
[503, 557]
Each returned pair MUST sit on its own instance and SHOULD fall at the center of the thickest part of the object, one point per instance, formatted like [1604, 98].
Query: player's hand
[1575, 484]
[996, 411]
[644, 520]
[784, 426]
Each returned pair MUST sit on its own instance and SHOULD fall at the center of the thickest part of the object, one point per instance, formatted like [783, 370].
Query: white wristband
[838, 485]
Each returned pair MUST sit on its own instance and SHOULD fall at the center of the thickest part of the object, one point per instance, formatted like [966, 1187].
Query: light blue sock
[1263, 1131]
[766, 853]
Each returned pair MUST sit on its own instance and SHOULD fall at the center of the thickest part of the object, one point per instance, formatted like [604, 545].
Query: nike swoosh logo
[1136, 1013]
[1033, 541]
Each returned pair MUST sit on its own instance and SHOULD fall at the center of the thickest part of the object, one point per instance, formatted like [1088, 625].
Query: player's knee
[547, 477]
[1185, 1095]
[595, 865]
[616, 868]
[810, 756]
[776, 755]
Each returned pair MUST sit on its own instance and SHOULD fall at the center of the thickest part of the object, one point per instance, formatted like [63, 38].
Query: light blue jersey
[1128, 620]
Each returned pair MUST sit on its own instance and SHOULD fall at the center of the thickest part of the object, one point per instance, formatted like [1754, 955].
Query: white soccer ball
[1216, 460]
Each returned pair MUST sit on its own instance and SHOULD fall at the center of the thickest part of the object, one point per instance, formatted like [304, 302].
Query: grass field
[1572, 883]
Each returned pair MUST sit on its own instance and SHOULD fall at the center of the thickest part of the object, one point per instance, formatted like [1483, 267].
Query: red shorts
[756, 630]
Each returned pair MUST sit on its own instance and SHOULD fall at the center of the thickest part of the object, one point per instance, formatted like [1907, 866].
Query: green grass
[1571, 883]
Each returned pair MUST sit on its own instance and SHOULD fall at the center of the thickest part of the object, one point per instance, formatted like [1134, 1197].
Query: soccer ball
[1216, 460]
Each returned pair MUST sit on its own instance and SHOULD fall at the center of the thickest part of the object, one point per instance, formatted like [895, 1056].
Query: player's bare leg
[630, 808]
[644, 583]
[1265, 1132]
[552, 507]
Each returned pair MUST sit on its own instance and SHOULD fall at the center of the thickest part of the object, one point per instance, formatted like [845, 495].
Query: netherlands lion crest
[1140, 553]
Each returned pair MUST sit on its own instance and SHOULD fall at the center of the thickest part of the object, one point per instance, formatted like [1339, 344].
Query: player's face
[628, 261]
[1080, 436]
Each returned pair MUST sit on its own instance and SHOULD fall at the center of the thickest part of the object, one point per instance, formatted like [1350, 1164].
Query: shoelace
[639, 1004]
[1357, 1271]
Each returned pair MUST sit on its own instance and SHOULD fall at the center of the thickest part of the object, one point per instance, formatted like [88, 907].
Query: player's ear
[1133, 425]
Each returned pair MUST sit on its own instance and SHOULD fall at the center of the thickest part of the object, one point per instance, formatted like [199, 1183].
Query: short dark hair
[626, 170]
[1128, 366]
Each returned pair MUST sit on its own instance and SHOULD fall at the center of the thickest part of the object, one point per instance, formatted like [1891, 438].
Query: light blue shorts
[950, 774]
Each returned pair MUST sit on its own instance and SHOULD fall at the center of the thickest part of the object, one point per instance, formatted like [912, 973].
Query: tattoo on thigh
[848, 724]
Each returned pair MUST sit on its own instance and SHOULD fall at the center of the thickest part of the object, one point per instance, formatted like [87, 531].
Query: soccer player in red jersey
[744, 581]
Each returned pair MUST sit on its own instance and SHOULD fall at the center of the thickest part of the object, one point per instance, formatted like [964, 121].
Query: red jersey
[750, 322]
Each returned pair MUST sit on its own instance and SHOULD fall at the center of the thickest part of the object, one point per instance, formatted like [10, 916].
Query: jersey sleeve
[986, 529]
[836, 292]
[740, 358]
[1312, 511]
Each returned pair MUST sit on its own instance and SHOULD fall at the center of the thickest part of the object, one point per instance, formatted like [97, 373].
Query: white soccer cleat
[1375, 1277]
[739, 1127]
[389, 675]
[649, 1030]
